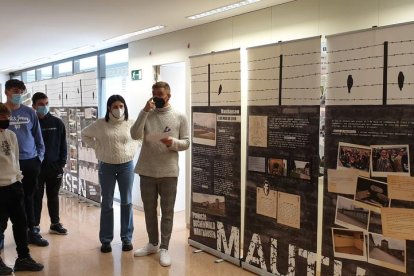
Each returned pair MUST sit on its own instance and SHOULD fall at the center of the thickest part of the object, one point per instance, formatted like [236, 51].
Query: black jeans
[30, 169]
[51, 177]
[12, 206]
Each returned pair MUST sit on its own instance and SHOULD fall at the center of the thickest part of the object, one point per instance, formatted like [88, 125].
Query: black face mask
[159, 102]
[4, 124]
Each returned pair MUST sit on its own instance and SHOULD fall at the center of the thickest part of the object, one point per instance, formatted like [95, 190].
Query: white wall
[3, 79]
[174, 74]
[294, 20]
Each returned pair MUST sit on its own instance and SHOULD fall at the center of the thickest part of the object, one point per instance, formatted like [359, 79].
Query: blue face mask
[42, 110]
[17, 99]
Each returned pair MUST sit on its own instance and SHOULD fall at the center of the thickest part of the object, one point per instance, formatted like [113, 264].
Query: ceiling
[34, 32]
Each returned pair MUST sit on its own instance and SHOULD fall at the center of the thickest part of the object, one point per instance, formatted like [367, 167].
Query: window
[116, 73]
[88, 64]
[29, 76]
[44, 73]
[65, 69]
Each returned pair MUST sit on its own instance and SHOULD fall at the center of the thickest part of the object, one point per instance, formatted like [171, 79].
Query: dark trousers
[12, 206]
[166, 189]
[30, 169]
[3, 226]
[50, 177]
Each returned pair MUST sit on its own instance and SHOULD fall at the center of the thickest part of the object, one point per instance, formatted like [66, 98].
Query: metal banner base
[214, 252]
[255, 269]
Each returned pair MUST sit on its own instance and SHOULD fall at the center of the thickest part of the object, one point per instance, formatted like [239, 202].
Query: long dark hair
[113, 99]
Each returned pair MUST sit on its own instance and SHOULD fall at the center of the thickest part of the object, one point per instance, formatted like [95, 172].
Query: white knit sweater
[156, 159]
[111, 140]
[9, 159]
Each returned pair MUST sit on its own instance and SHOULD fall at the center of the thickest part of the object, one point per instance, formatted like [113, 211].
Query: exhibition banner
[74, 100]
[216, 161]
[280, 233]
[368, 185]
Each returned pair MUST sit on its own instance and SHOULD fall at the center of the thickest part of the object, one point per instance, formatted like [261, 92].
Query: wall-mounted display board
[368, 187]
[74, 100]
[280, 234]
[215, 171]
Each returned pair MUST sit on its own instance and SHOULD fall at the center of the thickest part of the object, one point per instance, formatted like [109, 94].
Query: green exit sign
[136, 74]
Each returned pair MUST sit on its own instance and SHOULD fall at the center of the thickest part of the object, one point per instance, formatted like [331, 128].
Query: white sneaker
[146, 250]
[165, 259]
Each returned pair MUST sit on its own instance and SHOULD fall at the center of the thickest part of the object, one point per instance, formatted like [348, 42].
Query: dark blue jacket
[54, 138]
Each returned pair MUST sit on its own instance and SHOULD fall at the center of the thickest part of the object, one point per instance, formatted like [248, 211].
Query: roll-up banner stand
[368, 186]
[216, 154]
[74, 99]
[284, 92]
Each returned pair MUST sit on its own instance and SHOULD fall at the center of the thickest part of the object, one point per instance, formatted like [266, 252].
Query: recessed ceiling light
[223, 9]
[125, 36]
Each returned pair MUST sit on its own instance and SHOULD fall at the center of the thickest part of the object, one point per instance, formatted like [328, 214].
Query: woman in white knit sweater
[115, 149]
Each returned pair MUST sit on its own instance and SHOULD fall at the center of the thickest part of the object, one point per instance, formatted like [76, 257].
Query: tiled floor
[78, 252]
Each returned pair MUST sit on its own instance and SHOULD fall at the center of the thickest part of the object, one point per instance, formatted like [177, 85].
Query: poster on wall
[282, 158]
[215, 171]
[368, 204]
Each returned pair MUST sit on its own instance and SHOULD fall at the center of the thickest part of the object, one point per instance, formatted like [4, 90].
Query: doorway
[174, 75]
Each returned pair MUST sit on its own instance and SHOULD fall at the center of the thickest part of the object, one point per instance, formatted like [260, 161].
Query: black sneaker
[58, 229]
[27, 264]
[37, 239]
[4, 269]
[126, 246]
[106, 248]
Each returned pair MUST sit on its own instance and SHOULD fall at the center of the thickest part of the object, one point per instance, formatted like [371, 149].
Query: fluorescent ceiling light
[223, 9]
[35, 61]
[74, 50]
[125, 36]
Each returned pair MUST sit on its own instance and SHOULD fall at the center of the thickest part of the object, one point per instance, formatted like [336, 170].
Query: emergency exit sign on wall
[136, 74]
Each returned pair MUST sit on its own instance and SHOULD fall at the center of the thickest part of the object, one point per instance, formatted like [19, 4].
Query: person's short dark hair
[113, 99]
[162, 84]
[14, 83]
[4, 110]
[38, 96]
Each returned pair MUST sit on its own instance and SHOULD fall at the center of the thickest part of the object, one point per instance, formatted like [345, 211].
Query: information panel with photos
[368, 197]
[216, 151]
[282, 158]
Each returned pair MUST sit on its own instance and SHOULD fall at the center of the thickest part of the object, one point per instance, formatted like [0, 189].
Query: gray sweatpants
[166, 188]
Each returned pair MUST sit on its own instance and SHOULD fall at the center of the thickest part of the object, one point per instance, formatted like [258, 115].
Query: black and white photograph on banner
[209, 204]
[277, 167]
[204, 128]
[390, 160]
[256, 164]
[91, 113]
[349, 244]
[387, 252]
[258, 131]
[372, 192]
[375, 224]
[266, 200]
[352, 156]
[351, 214]
[300, 169]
